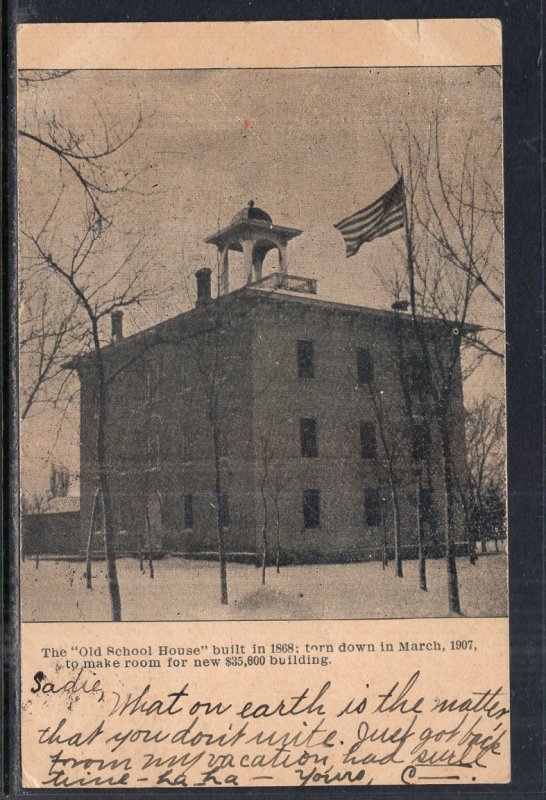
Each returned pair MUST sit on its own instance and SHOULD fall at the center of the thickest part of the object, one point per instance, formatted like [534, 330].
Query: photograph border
[523, 248]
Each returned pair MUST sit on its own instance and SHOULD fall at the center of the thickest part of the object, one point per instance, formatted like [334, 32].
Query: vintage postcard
[262, 405]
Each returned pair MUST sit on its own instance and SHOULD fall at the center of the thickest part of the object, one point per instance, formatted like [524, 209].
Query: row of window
[416, 372]
[305, 364]
[311, 508]
[187, 508]
[306, 367]
[308, 441]
[373, 501]
[368, 439]
[311, 504]
[308, 437]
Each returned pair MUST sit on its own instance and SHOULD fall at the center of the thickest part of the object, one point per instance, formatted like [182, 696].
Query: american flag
[383, 216]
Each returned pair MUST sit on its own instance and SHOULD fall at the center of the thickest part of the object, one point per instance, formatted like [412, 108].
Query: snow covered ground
[56, 590]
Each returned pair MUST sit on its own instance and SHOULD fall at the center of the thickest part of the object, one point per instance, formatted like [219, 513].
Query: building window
[417, 374]
[153, 442]
[153, 379]
[368, 444]
[311, 508]
[306, 366]
[372, 507]
[188, 511]
[421, 440]
[308, 437]
[364, 366]
[224, 510]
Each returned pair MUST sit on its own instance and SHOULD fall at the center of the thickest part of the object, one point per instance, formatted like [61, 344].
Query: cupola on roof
[252, 233]
[251, 211]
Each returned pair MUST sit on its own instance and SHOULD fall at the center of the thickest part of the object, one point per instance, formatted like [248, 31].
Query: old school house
[282, 381]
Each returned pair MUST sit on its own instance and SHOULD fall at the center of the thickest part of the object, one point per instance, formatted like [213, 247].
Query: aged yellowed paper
[263, 536]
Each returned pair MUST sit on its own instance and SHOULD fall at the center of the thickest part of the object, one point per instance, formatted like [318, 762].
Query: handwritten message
[303, 738]
[301, 713]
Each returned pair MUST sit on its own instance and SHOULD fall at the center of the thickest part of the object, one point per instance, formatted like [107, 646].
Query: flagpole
[409, 250]
[419, 471]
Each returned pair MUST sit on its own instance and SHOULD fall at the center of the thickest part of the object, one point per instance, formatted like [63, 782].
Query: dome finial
[251, 203]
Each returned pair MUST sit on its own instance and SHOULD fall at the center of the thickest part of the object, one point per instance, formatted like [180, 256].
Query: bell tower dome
[252, 233]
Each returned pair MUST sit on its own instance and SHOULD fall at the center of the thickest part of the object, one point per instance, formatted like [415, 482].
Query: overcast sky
[310, 154]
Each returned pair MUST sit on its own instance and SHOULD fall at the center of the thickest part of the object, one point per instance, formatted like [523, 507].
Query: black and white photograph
[261, 337]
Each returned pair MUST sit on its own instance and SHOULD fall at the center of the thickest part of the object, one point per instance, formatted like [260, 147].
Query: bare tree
[392, 436]
[485, 477]
[272, 482]
[413, 385]
[277, 485]
[208, 357]
[84, 170]
[485, 421]
[96, 301]
[451, 243]
[45, 332]
[77, 248]
[265, 457]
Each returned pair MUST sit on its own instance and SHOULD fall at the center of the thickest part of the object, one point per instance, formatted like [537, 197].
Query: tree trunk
[264, 554]
[472, 552]
[277, 535]
[384, 554]
[265, 522]
[88, 576]
[463, 492]
[149, 542]
[398, 571]
[421, 540]
[408, 404]
[109, 546]
[264, 538]
[449, 484]
[421, 559]
[104, 486]
[219, 516]
[141, 544]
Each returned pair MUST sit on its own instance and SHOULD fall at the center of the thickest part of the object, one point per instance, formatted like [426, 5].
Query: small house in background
[54, 531]
[286, 376]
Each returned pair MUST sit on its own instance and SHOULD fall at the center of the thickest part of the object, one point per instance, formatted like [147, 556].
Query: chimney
[117, 325]
[203, 285]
